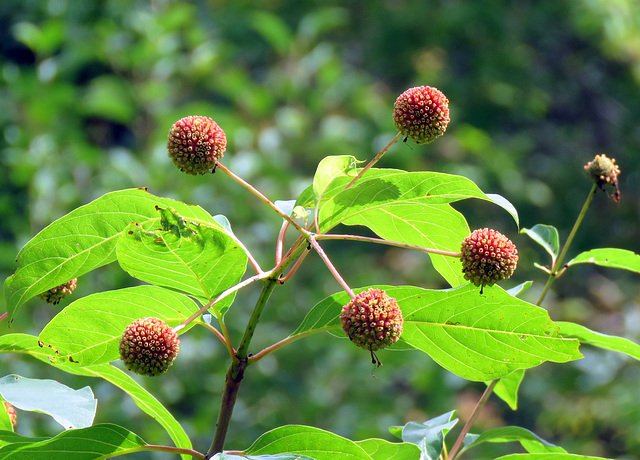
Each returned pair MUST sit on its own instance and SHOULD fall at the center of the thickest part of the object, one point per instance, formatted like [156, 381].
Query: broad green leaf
[508, 386]
[88, 331]
[609, 257]
[28, 344]
[531, 442]
[330, 168]
[305, 440]
[407, 207]
[597, 339]
[519, 289]
[96, 442]
[225, 456]
[171, 251]
[476, 336]
[379, 449]
[70, 408]
[429, 436]
[9, 437]
[549, 456]
[547, 237]
[84, 240]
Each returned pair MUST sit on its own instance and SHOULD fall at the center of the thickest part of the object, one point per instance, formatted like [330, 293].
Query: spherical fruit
[13, 416]
[196, 144]
[372, 320]
[149, 346]
[56, 294]
[488, 256]
[421, 114]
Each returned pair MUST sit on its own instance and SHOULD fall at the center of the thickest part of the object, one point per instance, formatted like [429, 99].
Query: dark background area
[88, 91]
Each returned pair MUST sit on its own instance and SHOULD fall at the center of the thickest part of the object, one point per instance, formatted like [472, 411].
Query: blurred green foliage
[88, 91]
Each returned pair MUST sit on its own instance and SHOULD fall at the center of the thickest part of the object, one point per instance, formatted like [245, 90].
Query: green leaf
[96, 442]
[476, 336]
[83, 240]
[407, 207]
[508, 386]
[380, 449]
[549, 456]
[597, 339]
[429, 436]
[88, 331]
[28, 344]
[70, 408]
[5, 420]
[531, 442]
[224, 456]
[330, 168]
[171, 251]
[609, 257]
[305, 440]
[547, 237]
[274, 30]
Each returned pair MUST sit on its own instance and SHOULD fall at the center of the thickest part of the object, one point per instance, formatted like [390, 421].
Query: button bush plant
[191, 265]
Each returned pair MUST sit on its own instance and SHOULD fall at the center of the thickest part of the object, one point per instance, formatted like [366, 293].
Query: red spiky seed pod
[56, 294]
[421, 114]
[487, 257]
[372, 320]
[13, 416]
[149, 346]
[604, 170]
[196, 144]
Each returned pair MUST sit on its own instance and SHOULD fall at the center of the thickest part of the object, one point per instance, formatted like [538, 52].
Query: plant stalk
[474, 415]
[558, 265]
[375, 160]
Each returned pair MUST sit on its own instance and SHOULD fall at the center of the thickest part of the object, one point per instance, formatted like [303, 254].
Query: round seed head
[13, 416]
[196, 144]
[372, 320]
[421, 114]
[56, 294]
[487, 257]
[149, 346]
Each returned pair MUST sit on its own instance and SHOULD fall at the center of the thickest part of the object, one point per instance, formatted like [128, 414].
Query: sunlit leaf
[531, 442]
[597, 339]
[379, 449]
[96, 442]
[171, 251]
[429, 436]
[609, 257]
[330, 168]
[83, 240]
[476, 336]
[88, 331]
[549, 456]
[508, 386]
[305, 440]
[70, 408]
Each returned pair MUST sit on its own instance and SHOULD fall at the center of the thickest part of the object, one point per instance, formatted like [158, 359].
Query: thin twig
[367, 239]
[331, 267]
[374, 161]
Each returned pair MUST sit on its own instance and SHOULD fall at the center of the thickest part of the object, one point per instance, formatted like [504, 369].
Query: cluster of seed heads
[56, 294]
[149, 346]
[603, 171]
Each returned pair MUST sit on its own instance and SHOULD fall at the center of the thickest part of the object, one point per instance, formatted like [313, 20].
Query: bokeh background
[88, 91]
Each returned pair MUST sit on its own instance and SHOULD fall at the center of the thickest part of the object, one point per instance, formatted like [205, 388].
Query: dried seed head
[421, 114]
[488, 256]
[56, 294]
[603, 171]
[196, 144]
[149, 346]
[372, 320]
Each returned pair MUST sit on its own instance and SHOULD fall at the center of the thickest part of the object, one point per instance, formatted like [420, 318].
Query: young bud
[488, 256]
[196, 144]
[372, 320]
[421, 114]
[603, 171]
[149, 346]
[56, 294]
